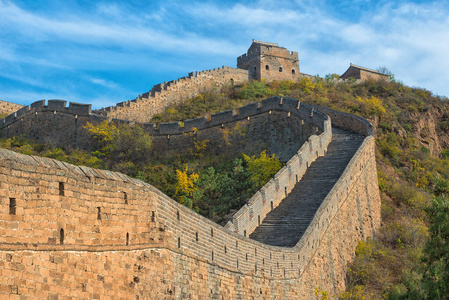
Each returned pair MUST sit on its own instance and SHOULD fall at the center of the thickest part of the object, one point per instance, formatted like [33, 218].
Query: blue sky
[103, 52]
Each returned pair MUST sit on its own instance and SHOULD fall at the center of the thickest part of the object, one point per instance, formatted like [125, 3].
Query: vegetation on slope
[407, 259]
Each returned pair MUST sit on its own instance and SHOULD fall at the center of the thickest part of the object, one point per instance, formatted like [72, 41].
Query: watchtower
[270, 62]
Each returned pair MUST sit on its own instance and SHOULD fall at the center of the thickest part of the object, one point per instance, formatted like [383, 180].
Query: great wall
[76, 232]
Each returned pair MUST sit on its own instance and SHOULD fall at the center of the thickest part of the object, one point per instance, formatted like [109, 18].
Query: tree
[386, 71]
[436, 252]
[262, 168]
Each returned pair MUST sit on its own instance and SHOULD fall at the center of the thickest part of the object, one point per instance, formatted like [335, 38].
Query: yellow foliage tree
[371, 106]
[307, 85]
[262, 168]
[185, 186]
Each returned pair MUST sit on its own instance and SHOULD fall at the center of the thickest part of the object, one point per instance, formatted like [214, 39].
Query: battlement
[53, 105]
[259, 48]
[300, 110]
[143, 107]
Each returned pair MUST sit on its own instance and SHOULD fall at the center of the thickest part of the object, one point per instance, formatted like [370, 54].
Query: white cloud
[105, 83]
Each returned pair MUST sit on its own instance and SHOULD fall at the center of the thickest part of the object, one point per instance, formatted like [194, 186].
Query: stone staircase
[285, 225]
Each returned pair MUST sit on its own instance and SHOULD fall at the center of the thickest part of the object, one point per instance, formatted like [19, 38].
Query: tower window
[293, 71]
[255, 68]
[280, 69]
[267, 67]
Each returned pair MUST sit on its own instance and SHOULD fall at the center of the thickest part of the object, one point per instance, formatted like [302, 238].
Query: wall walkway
[285, 224]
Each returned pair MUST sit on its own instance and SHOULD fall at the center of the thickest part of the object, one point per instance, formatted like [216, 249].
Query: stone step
[286, 224]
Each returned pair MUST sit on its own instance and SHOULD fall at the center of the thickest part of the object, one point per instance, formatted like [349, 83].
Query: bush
[262, 168]
[122, 143]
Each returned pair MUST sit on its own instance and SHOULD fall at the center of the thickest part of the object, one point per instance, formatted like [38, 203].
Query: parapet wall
[347, 121]
[162, 95]
[270, 196]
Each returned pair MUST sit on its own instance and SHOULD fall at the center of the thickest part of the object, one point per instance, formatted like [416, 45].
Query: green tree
[436, 252]
[386, 71]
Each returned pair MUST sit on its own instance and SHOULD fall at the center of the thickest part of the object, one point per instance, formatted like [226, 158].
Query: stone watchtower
[270, 62]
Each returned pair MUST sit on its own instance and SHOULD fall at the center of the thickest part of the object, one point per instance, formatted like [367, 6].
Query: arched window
[267, 67]
[280, 69]
[293, 71]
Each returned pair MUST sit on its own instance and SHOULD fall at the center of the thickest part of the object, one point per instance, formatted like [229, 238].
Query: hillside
[412, 154]
[412, 127]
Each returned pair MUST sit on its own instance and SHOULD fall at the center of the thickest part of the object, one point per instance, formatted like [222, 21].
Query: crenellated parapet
[53, 105]
[162, 95]
[285, 104]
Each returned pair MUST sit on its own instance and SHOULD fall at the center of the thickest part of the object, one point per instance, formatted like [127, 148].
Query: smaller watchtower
[270, 62]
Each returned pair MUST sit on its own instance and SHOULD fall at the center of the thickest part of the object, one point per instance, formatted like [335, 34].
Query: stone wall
[85, 233]
[276, 124]
[165, 94]
[51, 122]
[271, 195]
[9, 107]
[347, 121]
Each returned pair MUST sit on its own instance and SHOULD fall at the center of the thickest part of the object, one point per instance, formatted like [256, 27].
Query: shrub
[262, 168]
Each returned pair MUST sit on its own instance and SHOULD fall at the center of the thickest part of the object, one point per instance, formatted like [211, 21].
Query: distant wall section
[279, 125]
[51, 122]
[173, 92]
[9, 107]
